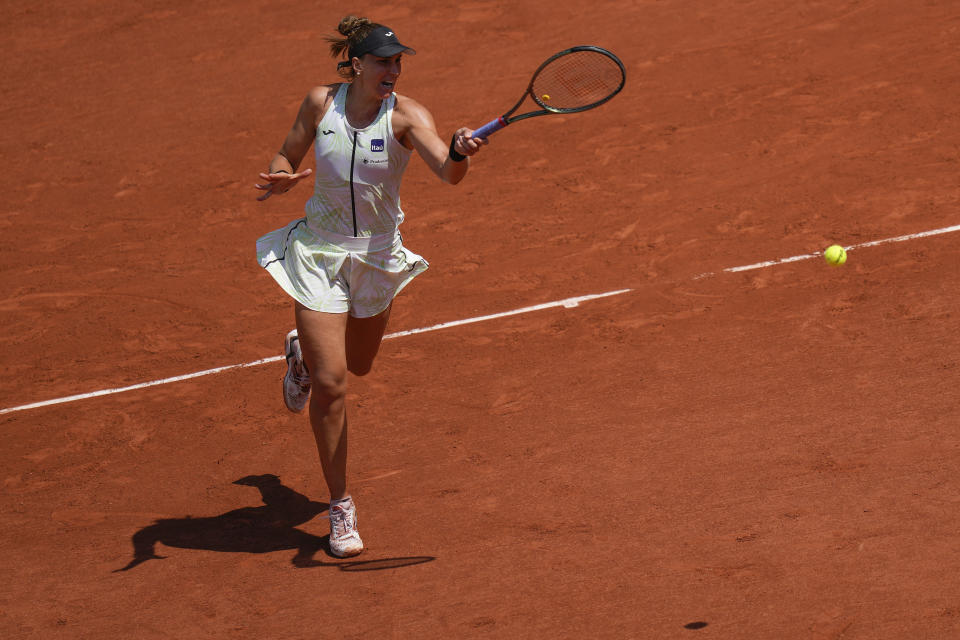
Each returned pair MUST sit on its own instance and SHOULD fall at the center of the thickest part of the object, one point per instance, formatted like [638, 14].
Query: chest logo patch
[376, 144]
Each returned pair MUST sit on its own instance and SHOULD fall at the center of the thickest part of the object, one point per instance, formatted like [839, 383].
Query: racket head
[577, 79]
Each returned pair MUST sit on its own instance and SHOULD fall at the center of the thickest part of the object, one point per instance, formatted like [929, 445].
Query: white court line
[567, 303]
[770, 263]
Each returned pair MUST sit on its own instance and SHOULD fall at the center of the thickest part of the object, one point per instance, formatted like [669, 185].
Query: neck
[362, 107]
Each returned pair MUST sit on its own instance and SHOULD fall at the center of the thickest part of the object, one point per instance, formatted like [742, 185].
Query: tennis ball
[835, 255]
[545, 96]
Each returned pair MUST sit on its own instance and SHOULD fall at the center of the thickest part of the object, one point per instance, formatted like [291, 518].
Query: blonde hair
[353, 30]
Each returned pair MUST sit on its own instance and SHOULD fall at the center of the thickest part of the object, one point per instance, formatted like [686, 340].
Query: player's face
[381, 74]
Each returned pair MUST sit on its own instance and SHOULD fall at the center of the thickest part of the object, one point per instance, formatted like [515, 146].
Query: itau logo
[376, 145]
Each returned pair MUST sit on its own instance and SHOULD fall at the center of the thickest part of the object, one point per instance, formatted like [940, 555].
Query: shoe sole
[346, 555]
[283, 383]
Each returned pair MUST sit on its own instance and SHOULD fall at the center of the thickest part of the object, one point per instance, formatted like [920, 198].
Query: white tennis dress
[346, 254]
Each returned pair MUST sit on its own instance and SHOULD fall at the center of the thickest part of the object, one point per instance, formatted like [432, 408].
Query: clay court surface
[767, 453]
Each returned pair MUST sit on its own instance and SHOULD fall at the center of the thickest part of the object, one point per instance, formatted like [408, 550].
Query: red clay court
[709, 453]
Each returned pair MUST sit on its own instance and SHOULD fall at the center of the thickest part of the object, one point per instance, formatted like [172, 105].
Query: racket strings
[577, 80]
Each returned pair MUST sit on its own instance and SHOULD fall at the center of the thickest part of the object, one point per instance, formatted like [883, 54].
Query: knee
[327, 386]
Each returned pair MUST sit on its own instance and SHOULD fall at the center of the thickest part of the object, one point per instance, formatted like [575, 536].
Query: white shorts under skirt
[338, 274]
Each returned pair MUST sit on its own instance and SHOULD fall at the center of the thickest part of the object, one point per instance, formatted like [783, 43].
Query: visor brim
[389, 50]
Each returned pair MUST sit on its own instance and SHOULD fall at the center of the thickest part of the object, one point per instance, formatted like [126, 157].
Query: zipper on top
[353, 201]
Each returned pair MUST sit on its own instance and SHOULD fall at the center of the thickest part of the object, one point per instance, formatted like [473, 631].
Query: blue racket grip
[491, 127]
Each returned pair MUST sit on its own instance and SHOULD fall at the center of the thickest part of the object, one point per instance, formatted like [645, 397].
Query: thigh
[322, 339]
[363, 338]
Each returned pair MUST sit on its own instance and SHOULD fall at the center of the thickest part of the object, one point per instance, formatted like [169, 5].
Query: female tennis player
[344, 261]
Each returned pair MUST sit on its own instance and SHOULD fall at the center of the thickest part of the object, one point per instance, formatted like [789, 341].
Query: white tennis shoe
[296, 384]
[344, 539]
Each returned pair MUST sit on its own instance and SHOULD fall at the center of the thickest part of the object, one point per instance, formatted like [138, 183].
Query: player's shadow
[271, 527]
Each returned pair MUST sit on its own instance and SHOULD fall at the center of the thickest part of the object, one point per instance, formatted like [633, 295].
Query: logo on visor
[388, 33]
[376, 145]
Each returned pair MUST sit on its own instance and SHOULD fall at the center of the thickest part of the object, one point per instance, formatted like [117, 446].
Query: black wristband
[454, 154]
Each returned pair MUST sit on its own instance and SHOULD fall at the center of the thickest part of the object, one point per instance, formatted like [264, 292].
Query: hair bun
[350, 24]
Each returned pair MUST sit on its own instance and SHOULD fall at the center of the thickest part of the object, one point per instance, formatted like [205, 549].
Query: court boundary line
[862, 245]
[567, 303]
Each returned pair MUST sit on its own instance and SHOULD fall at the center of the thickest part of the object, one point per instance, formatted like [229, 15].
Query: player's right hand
[280, 183]
[464, 142]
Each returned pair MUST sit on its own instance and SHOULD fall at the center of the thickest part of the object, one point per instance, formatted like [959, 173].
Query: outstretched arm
[420, 133]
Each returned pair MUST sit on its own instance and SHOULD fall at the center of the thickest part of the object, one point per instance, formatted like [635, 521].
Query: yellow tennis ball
[835, 255]
[545, 96]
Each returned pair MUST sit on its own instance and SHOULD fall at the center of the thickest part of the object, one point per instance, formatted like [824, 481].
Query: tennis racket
[571, 81]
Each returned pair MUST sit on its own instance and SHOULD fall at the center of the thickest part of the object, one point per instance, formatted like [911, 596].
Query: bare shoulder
[319, 97]
[410, 113]
[411, 120]
[316, 104]
[321, 93]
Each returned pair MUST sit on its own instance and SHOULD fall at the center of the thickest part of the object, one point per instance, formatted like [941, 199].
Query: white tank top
[358, 173]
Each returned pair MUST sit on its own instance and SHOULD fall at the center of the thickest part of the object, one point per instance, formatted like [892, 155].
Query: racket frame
[501, 122]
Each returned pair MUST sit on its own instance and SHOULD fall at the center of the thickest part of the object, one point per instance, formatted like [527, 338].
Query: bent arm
[281, 176]
[301, 134]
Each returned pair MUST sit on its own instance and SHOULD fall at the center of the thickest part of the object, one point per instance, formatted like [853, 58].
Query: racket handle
[491, 127]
